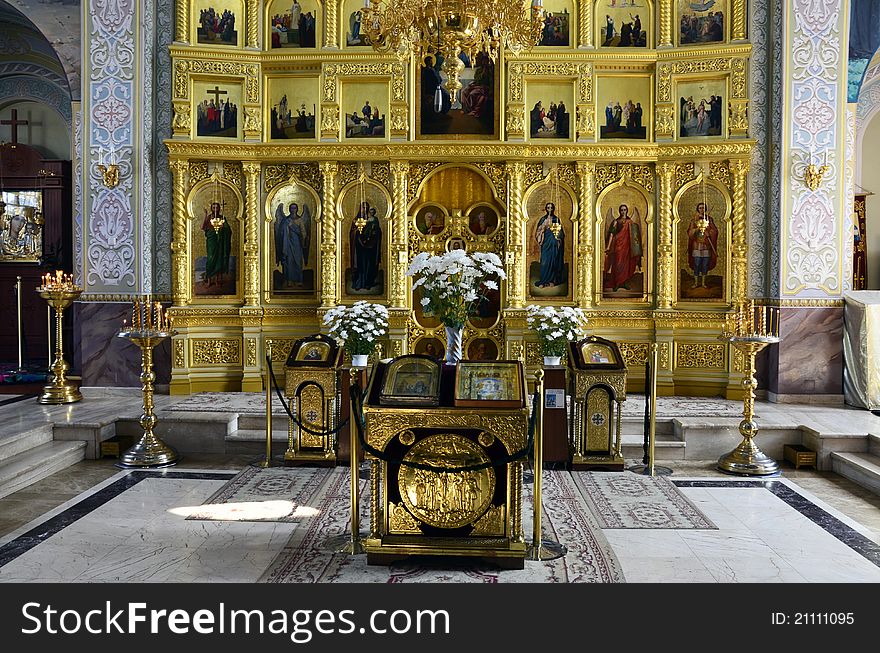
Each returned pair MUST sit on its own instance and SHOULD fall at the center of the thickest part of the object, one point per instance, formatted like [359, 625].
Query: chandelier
[449, 28]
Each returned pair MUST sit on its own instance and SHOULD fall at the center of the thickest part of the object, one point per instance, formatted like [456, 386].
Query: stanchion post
[653, 422]
[355, 545]
[539, 461]
[49, 334]
[18, 306]
[268, 461]
[540, 549]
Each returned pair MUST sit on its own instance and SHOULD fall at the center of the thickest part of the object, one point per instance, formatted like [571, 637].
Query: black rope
[360, 425]
[289, 414]
[648, 372]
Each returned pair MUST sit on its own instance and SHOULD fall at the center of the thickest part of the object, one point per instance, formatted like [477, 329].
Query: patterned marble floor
[120, 529]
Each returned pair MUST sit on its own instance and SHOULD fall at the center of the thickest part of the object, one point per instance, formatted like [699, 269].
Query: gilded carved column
[739, 171]
[329, 255]
[252, 239]
[181, 23]
[253, 23]
[665, 246]
[514, 264]
[586, 171]
[666, 24]
[179, 266]
[738, 24]
[585, 25]
[331, 24]
[400, 234]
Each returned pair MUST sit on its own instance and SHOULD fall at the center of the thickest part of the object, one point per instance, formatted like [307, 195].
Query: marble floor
[95, 523]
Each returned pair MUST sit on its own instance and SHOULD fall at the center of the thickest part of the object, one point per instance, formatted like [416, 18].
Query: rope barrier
[360, 425]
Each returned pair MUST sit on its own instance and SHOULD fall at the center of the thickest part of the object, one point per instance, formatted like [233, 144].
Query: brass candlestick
[754, 329]
[150, 326]
[59, 291]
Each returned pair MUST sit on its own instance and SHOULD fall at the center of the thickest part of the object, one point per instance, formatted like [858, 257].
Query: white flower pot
[552, 361]
[359, 360]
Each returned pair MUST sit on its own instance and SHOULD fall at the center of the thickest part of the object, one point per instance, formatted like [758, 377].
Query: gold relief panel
[699, 355]
[215, 241]
[491, 523]
[293, 25]
[684, 172]
[217, 23]
[198, 170]
[551, 231]
[364, 212]
[182, 123]
[179, 349]
[739, 118]
[275, 175]
[380, 172]
[497, 175]
[623, 26]
[634, 353]
[701, 212]
[232, 171]
[292, 255]
[534, 356]
[720, 171]
[400, 521]
[279, 348]
[665, 122]
[624, 227]
[251, 352]
[215, 351]
[663, 351]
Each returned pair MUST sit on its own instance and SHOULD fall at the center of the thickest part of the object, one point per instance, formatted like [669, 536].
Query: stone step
[666, 446]
[253, 441]
[874, 444]
[28, 467]
[252, 421]
[188, 432]
[860, 468]
[12, 444]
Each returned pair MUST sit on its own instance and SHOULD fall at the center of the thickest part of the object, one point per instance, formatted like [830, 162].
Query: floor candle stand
[149, 327]
[60, 292]
[754, 328]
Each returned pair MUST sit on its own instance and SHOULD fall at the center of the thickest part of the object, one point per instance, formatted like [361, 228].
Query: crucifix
[216, 92]
[13, 125]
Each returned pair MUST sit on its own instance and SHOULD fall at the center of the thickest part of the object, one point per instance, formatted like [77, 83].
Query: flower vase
[453, 344]
[552, 361]
[359, 360]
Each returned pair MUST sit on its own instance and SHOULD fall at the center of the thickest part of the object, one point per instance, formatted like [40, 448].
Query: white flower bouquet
[357, 327]
[453, 284]
[556, 326]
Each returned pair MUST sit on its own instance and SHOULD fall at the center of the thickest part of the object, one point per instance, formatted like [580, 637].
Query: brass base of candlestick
[149, 452]
[64, 393]
[747, 459]
[547, 550]
[344, 544]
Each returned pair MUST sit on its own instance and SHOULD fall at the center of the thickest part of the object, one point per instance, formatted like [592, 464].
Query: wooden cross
[216, 92]
[13, 124]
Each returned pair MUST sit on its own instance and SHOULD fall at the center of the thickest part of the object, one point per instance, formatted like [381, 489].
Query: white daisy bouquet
[556, 326]
[453, 284]
[357, 327]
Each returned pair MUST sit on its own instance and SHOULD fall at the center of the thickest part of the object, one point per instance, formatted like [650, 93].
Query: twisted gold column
[666, 23]
[738, 24]
[253, 22]
[331, 24]
[329, 258]
[399, 235]
[665, 246]
[585, 25]
[179, 254]
[739, 170]
[252, 243]
[181, 23]
[516, 172]
[586, 172]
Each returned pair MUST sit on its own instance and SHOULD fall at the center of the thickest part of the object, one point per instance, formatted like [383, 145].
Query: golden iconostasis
[333, 165]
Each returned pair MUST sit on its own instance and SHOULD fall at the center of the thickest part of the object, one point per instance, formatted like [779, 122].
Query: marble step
[666, 446]
[861, 468]
[12, 444]
[28, 467]
[253, 441]
[874, 444]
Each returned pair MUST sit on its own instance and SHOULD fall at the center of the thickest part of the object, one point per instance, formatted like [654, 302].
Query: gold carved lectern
[312, 387]
[422, 419]
[597, 385]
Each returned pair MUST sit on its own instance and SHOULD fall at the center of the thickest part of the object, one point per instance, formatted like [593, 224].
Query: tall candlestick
[763, 320]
